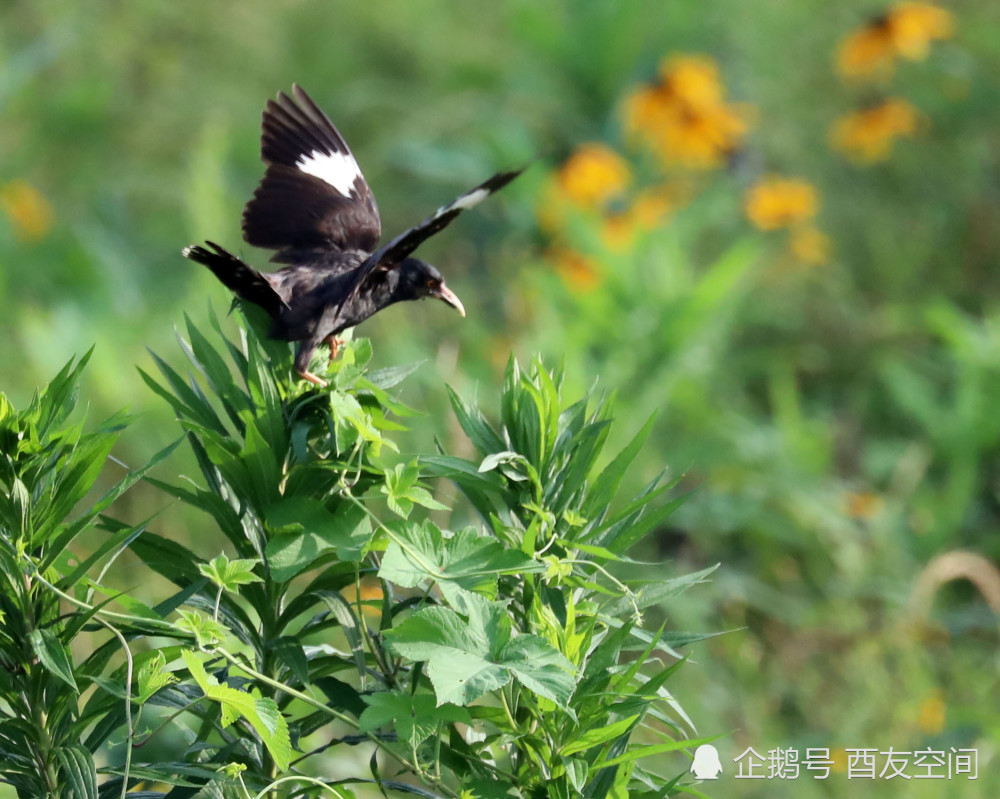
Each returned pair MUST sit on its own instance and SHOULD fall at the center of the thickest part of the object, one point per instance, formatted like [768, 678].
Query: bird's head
[419, 279]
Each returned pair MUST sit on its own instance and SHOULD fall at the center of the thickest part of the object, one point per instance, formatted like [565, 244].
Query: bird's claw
[319, 381]
[335, 345]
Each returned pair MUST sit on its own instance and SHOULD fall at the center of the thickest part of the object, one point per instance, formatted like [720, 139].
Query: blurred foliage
[828, 385]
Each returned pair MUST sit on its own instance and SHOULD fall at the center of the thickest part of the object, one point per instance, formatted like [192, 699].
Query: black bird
[314, 207]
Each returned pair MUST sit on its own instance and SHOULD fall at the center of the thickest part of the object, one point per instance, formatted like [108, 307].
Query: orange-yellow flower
[683, 119]
[594, 175]
[692, 80]
[868, 135]
[866, 51]
[591, 178]
[809, 245]
[776, 202]
[915, 25]
[904, 31]
[30, 214]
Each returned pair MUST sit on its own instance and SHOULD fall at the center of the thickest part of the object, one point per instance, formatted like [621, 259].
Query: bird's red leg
[335, 344]
[319, 381]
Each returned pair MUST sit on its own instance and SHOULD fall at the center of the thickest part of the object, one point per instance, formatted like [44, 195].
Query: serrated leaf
[230, 574]
[307, 531]
[483, 437]
[468, 658]
[53, 656]
[152, 676]
[393, 375]
[466, 562]
[414, 717]
[261, 713]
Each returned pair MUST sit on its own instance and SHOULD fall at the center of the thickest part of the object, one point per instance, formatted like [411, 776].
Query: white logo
[706, 765]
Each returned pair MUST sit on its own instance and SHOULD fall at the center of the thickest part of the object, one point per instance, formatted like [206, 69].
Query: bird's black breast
[311, 291]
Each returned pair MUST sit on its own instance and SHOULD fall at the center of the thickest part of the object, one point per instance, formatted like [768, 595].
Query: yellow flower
[776, 202]
[683, 119]
[932, 714]
[30, 214]
[868, 135]
[692, 80]
[590, 179]
[594, 175]
[867, 51]
[577, 270]
[905, 31]
[809, 245]
[915, 25]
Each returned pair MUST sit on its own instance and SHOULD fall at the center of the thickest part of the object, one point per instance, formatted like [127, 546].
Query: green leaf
[347, 412]
[655, 749]
[207, 632]
[152, 676]
[468, 658]
[414, 717]
[307, 531]
[230, 574]
[599, 736]
[77, 767]
[489, 789]
[483, 437]
[261, 713]
[392, 375]
[289, 651]
[656, 592]
[466, 562]
[53, 656]
[607, 482]
[58, 399]
[402, 491]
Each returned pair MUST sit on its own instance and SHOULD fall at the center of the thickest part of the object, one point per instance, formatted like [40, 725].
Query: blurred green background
[829, 388]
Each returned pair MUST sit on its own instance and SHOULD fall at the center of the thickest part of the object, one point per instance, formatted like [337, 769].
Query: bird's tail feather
[244, 280]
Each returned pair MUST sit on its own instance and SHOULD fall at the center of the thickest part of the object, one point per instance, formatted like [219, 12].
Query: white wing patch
[338, 169]
[466, 201]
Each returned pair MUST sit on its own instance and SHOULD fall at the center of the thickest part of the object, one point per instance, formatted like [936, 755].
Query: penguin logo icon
[706, 764]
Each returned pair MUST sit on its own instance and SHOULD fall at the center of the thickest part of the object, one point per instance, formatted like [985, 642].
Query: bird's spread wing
[313, 196]
[392, 254]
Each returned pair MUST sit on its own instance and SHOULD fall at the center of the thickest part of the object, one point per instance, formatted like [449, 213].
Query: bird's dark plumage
[315, 208]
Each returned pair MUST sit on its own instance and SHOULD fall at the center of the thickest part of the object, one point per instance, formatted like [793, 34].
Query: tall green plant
[52, 721]
[538, 487]
[502, 659]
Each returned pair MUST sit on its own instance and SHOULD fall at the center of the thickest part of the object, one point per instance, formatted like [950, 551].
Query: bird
[314, 207]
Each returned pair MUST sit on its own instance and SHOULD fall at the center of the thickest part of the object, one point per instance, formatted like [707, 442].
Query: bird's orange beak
[445, 294]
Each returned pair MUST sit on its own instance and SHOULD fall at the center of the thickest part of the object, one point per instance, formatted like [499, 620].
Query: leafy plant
[538, 486]
[52, 721]
[502, 659]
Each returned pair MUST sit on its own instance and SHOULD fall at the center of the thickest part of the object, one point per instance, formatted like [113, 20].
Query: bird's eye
[431, 284]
